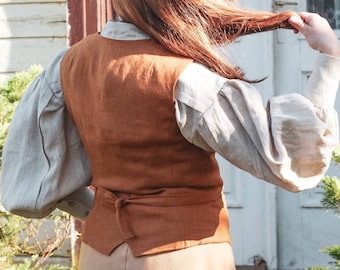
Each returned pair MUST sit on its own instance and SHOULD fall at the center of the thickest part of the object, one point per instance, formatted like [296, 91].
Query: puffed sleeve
[44, 162]
[288, 143]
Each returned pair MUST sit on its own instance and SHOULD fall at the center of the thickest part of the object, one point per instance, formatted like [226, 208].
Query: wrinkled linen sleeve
[288, 143]
[44, 162]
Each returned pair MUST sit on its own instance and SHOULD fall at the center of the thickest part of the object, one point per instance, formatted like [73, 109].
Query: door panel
[251, 202]
[304, 227]
[87, 17]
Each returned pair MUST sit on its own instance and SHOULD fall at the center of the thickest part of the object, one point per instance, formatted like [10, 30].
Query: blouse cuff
[78, 204]
[324, 82]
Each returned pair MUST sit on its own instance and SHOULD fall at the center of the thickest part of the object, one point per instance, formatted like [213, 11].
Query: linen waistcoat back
[154, 190]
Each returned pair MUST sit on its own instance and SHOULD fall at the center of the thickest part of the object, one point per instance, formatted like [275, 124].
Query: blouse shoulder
[198, 87]
[52, 75]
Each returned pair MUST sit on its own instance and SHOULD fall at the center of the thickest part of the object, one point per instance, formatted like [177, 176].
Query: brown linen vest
[154, 190]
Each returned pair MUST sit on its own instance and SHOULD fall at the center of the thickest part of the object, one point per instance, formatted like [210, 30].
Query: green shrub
[331, 201]
[10, 94]
[30, 264]
[12, 242]
[334, 252]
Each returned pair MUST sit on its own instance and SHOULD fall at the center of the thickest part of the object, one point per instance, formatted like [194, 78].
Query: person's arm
[43, 159]
[317, 32]
[289, 143]
[322, 38]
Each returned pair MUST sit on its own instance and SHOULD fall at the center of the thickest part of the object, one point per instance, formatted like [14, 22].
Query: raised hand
[317, 32]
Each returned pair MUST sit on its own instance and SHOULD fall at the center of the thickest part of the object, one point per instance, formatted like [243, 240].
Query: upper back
[121, 97]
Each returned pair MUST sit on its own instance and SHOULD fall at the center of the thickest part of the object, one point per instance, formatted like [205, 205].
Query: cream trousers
[203, 257]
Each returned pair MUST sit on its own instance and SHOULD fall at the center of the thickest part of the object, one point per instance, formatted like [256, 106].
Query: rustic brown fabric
[155, 190]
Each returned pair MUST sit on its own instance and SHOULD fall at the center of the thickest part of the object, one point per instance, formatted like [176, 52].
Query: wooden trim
[87, 17]
[104, 13]
[110, 13]
[90, 17]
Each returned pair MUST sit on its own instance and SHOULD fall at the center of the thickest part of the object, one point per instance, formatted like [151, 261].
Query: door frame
[84, 21]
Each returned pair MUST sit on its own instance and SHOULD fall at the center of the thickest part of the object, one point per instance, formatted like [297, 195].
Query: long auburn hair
[193, 28]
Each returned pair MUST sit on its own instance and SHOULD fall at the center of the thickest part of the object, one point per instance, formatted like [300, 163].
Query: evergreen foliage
[10, 94]
[331, 201]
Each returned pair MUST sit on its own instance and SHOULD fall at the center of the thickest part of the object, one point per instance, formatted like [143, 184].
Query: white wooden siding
[31, 32]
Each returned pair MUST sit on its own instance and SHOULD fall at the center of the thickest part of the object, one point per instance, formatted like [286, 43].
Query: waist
[172, 197]
[167, 219]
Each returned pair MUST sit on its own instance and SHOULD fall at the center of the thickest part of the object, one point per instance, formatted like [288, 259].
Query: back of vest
[121, 97]
[120, 94]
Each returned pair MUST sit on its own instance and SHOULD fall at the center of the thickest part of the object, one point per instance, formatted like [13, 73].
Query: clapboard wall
[31, 32]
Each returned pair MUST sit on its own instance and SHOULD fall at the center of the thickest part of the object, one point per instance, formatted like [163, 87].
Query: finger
[296, 22]
[309, 18]
[306, 16]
